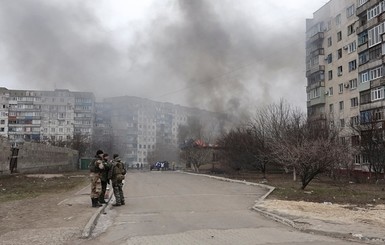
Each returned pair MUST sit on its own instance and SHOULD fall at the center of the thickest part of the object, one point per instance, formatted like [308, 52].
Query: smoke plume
[215, 55]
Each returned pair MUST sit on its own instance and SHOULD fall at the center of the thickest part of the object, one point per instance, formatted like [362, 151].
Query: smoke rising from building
[215, 55]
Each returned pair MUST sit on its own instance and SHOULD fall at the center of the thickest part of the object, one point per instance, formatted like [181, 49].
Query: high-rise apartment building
[145, 131]
[344, 65]
[46, 116]
[4, 104]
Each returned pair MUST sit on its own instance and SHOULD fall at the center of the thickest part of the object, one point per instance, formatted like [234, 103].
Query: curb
[286, 221]
[90, 226]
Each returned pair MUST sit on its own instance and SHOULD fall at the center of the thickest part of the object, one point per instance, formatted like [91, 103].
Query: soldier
[96, 166]
[116, 174]
[104, 177]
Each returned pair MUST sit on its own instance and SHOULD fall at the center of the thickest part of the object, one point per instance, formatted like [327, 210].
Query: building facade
[146, 131]
[344, 67]
[46, 116]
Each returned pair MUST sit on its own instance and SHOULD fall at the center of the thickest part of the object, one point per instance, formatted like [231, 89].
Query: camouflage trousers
[96, 186]
[118, 192]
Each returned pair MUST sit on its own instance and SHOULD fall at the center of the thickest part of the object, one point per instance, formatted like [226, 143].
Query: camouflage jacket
[116, 169]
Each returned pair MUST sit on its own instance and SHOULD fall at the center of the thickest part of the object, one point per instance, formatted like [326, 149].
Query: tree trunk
[294, 175]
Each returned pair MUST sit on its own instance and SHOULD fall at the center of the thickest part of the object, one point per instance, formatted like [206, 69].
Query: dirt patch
[44, 176]
[56, 213]
[373, 215]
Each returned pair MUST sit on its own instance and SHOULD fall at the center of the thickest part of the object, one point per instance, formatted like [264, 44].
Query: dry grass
[19, 186]
[322, 189]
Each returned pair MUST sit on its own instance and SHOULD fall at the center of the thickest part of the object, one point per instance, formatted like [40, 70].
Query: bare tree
[370, 141]
[196, 154]
[310, 149]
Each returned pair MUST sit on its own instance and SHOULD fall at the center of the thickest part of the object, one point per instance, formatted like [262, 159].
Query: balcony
[369, 65]
[377, 82]
[319, 51]
[372, 105]
[315, 85]
[363, 8]
[317, 37]
[362, 47]
[315, 69]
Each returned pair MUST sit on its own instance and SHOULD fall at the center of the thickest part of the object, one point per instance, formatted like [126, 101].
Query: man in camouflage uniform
[104, 177]
[96, 166]
[116, 174]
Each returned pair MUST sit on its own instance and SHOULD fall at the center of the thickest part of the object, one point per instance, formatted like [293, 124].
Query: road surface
[176, 208]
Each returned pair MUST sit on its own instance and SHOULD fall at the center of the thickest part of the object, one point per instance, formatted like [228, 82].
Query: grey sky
[222, 55]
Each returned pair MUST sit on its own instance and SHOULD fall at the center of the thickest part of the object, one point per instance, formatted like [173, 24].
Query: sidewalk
[57, 218]
[363, 232]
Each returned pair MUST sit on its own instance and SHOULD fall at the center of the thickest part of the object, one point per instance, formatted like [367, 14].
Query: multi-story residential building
[102, 128]
[46, 116]
[24, 116]
[332, 64]
[344, 66]
[4, 98]
[145, 131]
[84, 113]
[57, 115]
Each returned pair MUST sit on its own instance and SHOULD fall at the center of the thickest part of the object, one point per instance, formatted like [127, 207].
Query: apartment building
[145, 131]
[344, 65]
[57, 115]
[45, 116]
[4, 104]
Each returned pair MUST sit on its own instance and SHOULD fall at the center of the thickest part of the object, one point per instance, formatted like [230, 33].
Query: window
[363, 57]
[338, 20]
[375, 53]
[377, 93]
[353, 83]
[378, 114]
[364, 77]
[365, 97]
[375, 73]
[330, 75]
[375, 11]
[350, 11]
[340, 88]
[329, 58]
[354, 120]
[331, 91]
[362, 38]
[339, 53]
[342, 123]
[315, 93]
[354, 102]
[339, 71]
[352, 65]
[331, 108]
[361, 2]
[339, 36]
[365, 116]
[330, 43]
[374, 34]
[2, 121]
[341, 104]
[350, 29]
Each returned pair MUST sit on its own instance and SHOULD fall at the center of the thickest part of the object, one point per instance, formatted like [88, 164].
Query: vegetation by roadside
[322, 189]
[20, 186]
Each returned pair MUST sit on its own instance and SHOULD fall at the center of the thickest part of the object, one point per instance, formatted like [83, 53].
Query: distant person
[96, 167]
[104, 177]
[117, 175]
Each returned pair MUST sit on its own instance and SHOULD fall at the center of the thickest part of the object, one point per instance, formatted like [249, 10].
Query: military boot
[95, 203]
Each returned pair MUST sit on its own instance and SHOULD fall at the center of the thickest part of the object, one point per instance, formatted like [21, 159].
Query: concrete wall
[38, 158]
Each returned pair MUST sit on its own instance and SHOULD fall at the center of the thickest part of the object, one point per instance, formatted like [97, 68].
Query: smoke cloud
[215, 55]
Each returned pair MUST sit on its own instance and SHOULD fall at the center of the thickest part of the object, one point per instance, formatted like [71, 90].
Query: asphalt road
[176, 208]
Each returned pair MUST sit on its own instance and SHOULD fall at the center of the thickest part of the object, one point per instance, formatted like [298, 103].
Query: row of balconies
[317, 37]
[363, 8]
[314, 69]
